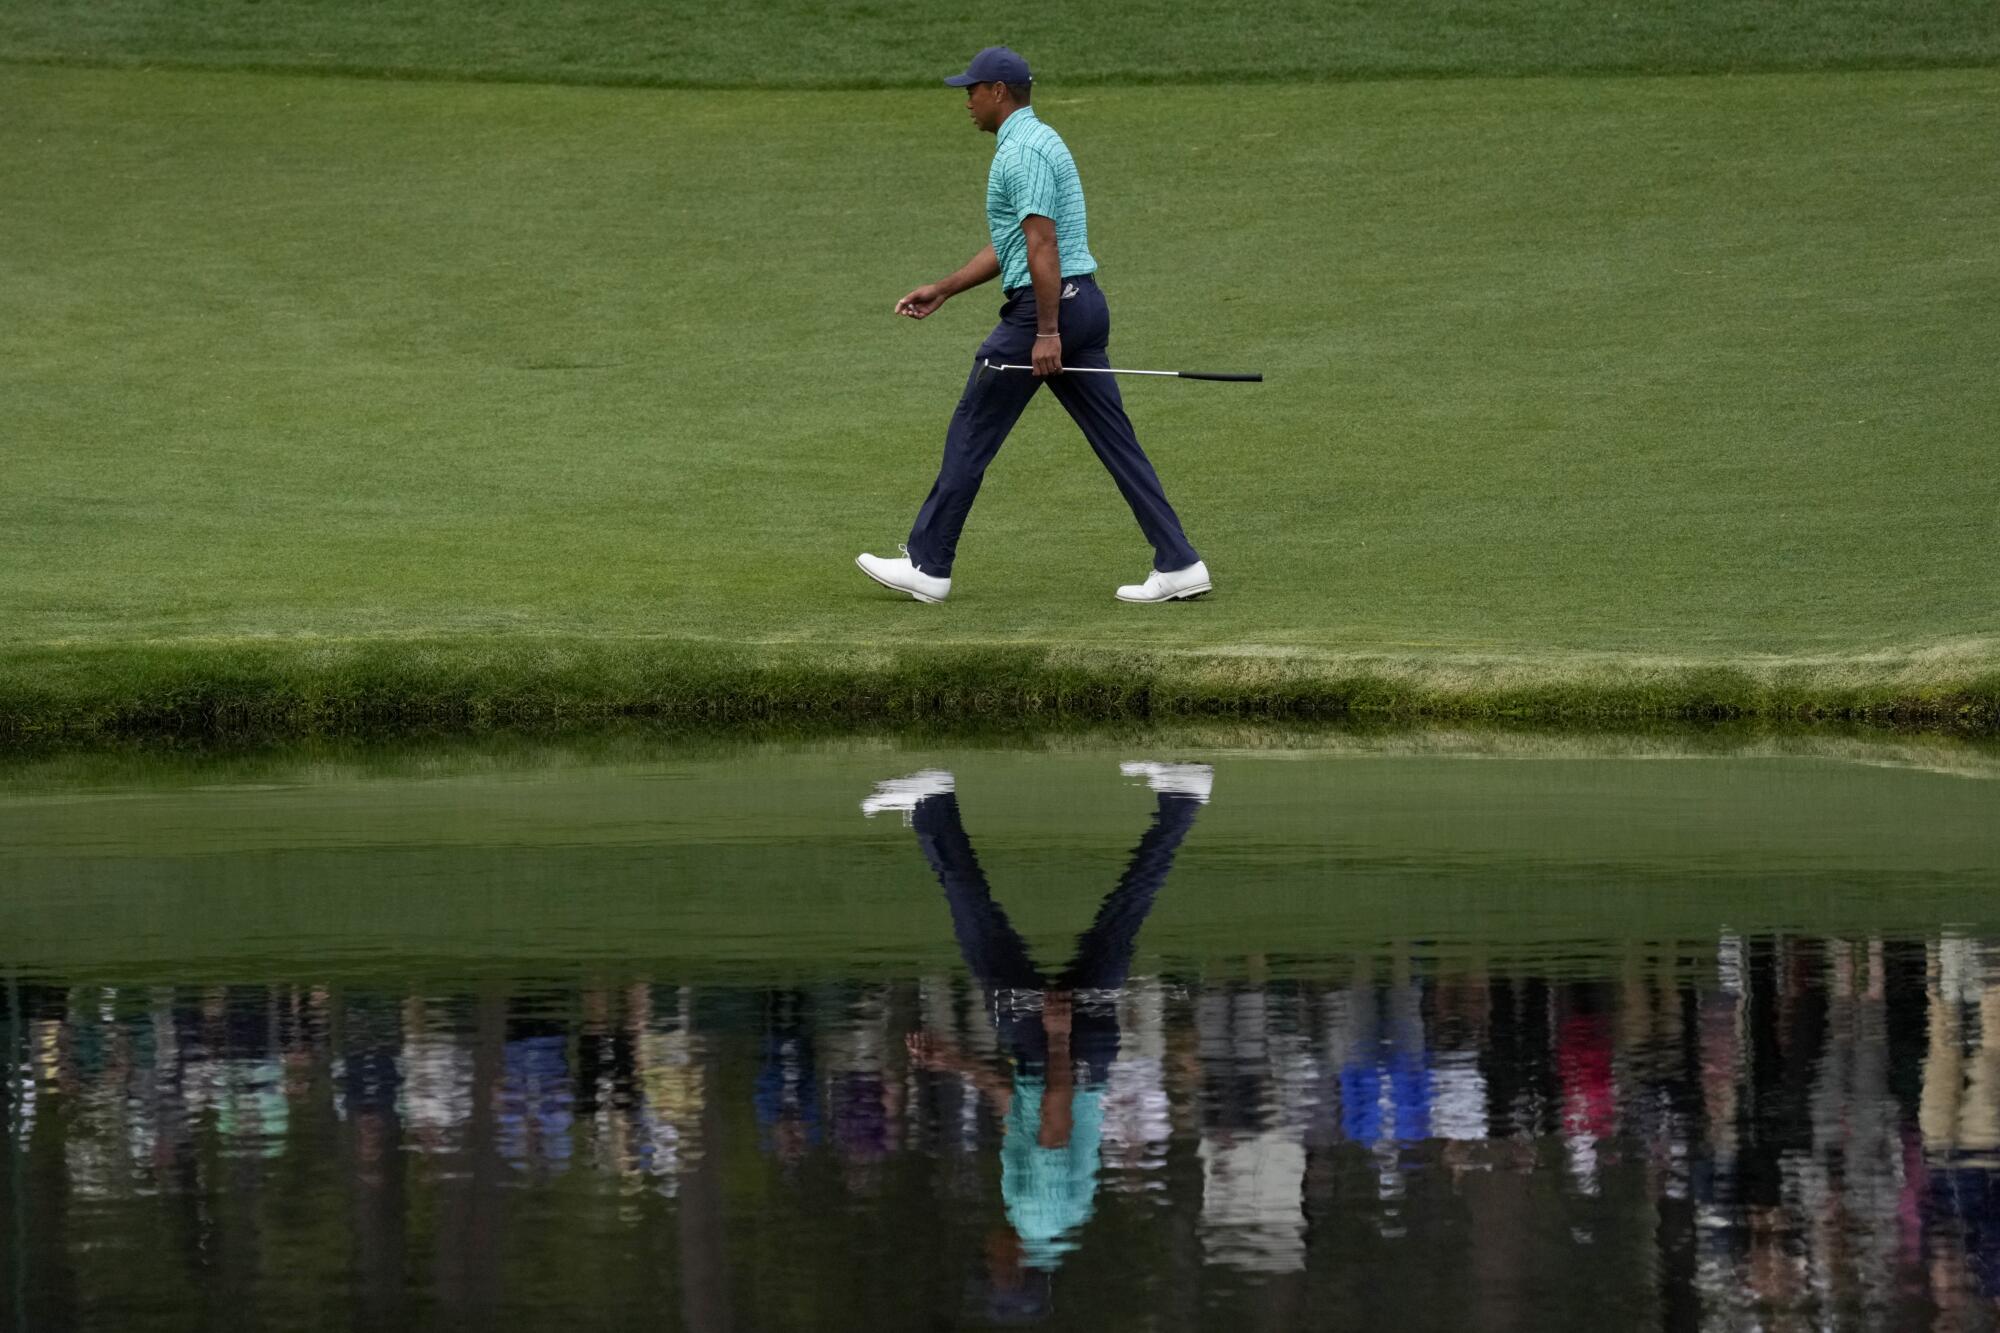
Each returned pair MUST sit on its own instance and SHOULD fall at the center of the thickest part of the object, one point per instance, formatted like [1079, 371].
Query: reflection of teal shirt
[1049, 1191]
[1033, 173]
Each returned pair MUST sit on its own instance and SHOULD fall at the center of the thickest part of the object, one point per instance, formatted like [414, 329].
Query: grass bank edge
[307, 688]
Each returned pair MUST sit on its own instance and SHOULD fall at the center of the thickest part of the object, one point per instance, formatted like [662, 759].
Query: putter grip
[1217, 375]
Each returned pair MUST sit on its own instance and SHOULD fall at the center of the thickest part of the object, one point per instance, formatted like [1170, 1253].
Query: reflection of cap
[996, 64]
[1028, 1301]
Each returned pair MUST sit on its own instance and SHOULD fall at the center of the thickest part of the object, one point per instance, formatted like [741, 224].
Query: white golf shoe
[904, 793]
[903, 575]
[1177, 586]
[1196, 780]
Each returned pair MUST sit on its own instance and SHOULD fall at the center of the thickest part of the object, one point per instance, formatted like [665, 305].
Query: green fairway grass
[332, 399]
[886, 43]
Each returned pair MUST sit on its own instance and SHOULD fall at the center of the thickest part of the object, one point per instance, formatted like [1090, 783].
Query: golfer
[1054, 316]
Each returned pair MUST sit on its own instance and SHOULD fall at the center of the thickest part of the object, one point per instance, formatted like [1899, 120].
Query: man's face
[984, 103]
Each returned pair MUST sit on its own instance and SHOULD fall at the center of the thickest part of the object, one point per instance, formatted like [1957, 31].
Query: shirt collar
[1021, 117]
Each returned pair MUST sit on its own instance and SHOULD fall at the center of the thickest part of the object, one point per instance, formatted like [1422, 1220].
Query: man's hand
[923, 300]
[923, 1050]
[982, 267]
[1048, 356]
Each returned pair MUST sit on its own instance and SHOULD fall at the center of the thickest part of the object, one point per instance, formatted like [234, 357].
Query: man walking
[1054, 316]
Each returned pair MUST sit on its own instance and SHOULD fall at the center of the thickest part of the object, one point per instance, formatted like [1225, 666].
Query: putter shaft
[1256, 378]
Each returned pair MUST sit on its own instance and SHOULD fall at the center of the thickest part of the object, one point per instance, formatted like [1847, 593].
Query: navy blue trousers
[998, 956]
[994, 400]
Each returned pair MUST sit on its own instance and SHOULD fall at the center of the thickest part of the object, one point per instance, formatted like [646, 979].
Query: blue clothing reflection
[534, 1110]
[787, 1090]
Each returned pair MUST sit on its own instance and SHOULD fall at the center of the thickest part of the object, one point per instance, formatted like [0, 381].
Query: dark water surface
[1434, 1031]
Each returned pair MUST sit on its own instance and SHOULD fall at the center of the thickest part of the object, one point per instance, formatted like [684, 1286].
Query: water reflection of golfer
[1060, 1032]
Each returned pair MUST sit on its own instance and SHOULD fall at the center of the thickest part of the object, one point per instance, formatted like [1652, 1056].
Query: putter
[1255, 378]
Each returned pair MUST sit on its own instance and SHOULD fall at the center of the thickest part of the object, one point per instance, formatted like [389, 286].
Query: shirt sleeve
[1030, 180]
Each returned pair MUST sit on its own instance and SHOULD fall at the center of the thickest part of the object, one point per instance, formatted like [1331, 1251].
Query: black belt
[1090, 277]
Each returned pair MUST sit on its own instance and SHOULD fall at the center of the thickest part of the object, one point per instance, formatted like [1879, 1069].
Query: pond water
[1239, 1031]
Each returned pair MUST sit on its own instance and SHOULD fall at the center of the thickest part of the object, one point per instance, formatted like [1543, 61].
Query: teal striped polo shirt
[1034, 173]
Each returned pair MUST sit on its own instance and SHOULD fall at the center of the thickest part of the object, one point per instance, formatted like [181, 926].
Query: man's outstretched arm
[929, 1051]
[982, 267]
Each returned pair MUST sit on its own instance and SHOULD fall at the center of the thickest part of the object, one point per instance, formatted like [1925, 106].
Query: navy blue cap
[996, 64]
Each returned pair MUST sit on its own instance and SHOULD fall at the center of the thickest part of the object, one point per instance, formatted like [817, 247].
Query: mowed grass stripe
[1694, 373]
[911, 43]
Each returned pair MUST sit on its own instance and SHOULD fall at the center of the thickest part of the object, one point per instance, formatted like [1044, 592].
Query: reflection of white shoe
[1196, 780]
[1178, 586]
[904, 576]
[904, 793]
